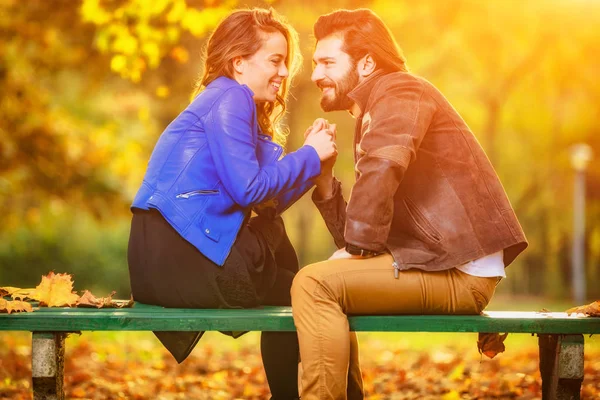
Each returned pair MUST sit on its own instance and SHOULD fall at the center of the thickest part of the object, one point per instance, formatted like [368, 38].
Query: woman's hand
[327, 166]
[323, 142]
[324, 182]
[320, 123]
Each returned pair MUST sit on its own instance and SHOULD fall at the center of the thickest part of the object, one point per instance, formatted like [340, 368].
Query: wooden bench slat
[146, 318]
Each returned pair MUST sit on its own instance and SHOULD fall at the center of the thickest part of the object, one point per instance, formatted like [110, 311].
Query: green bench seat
[560, 336]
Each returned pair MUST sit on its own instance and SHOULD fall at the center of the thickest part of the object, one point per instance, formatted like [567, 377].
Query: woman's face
[265, 70]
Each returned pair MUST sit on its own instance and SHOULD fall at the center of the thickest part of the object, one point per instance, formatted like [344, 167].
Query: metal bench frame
[561, 341]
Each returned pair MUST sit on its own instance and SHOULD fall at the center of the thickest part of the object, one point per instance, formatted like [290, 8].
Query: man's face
[334, 73]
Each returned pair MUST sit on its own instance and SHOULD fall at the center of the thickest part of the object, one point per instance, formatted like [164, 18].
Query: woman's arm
[232, 143]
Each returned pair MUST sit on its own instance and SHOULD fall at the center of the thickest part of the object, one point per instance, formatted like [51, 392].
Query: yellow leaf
[8, 306]
[56, 290]
[16, 293]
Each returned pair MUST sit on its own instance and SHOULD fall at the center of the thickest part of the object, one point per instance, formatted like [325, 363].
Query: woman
[193, 242]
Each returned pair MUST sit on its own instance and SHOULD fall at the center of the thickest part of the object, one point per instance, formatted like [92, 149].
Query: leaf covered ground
[395, 366]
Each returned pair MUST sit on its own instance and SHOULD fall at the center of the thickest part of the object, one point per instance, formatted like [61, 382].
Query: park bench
[561, 338]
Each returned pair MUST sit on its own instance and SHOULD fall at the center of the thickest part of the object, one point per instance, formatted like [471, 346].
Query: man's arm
[330, 202]
[400, 117]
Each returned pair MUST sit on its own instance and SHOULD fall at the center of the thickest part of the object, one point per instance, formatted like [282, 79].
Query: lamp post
[581, 155]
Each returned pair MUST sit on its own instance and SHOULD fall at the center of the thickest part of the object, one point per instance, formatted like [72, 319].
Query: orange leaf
[491, 344]
[56, 290]
[89, 300]
[591, 310]
[8, 306]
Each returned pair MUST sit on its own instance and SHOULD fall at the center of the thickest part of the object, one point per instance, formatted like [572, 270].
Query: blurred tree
[89, 85]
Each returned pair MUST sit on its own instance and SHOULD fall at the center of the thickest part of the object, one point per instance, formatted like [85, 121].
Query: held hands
[325, 180]
[321, 136]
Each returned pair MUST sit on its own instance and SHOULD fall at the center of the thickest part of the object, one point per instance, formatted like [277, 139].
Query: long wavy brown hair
[241, 34]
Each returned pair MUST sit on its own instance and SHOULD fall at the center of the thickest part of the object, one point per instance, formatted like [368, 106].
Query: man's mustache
[325, 84]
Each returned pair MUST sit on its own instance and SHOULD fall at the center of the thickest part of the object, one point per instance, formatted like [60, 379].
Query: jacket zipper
[394, 264]
[187, 195]
[396, 269]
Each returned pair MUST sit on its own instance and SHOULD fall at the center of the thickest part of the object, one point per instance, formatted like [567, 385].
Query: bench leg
[561, 366]
[47, 365]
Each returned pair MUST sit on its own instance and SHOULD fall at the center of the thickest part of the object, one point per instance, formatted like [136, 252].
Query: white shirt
[486, 267]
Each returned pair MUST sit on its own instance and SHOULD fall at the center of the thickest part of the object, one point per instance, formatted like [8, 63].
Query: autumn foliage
[55, 290]
[591, 310]
[490, 344]
[134, 366]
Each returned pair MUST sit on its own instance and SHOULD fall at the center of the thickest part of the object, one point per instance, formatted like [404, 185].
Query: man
[428, 228]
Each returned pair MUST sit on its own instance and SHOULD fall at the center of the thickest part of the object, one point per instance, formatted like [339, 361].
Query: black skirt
[168, 271]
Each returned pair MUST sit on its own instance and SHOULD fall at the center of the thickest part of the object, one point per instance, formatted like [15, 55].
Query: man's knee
[306, 282]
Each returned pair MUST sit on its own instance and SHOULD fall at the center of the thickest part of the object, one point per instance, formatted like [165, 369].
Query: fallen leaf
[87, 299]
[591, 310]
[9, 306]
[16, 293]
[56, 290]
[123, 303]
[491, 344]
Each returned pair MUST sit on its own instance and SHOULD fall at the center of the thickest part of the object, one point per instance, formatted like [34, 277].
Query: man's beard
[340, 101]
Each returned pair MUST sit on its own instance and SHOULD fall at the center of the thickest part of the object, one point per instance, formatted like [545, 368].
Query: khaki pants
[323, 294]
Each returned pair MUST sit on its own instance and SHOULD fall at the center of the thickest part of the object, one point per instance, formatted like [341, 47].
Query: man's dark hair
[363, 33]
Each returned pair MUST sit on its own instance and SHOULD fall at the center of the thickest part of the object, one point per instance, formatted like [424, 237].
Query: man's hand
[343, 254]
[319, 124]
[324, 181]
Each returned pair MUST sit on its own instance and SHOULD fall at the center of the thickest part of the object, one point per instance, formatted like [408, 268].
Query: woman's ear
[238, 65]
[366, 66]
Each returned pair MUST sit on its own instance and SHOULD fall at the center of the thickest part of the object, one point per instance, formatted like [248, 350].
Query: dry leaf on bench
[9, 306]
[591, 310]
[491, 344]
[16, 293]
[123, 303]
[56, 290]
[89, 300]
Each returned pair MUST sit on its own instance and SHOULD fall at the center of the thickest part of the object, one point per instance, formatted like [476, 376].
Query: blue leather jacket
[212, 165]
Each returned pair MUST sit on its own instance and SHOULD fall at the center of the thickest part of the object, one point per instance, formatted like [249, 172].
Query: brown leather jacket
[425, 191]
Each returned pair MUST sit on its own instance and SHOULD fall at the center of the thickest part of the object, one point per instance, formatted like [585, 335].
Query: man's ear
[366, 66]
[238, 64]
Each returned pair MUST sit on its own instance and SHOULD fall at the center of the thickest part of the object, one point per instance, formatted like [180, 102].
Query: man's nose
[317, 74]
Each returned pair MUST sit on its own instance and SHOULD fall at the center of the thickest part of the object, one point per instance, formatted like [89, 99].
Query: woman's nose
[283, 71]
